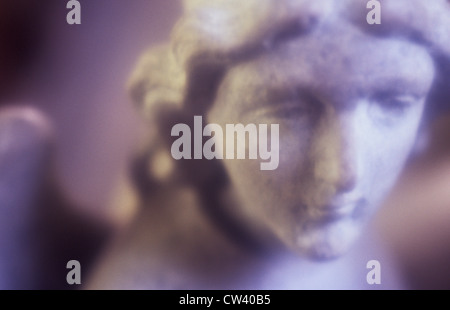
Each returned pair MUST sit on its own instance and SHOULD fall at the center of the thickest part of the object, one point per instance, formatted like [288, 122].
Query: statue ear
[157, 83]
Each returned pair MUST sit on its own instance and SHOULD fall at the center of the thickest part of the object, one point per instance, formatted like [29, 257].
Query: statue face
[348, 107]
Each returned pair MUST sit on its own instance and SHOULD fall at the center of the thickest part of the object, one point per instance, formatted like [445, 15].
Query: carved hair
[177, 80]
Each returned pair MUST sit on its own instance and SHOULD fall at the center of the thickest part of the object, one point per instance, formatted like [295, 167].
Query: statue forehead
[339, 59]
[227, 27]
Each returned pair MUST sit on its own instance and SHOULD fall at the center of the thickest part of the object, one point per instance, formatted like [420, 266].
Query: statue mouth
[339, 209]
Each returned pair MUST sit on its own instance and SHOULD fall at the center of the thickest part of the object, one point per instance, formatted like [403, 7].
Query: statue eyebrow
[399, 86]
[265, 95]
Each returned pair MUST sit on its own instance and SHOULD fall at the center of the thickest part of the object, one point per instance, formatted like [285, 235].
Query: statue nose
[335, 152]
[348, 166]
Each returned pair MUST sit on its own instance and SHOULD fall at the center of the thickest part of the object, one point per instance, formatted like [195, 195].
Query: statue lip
[333, 211]
[339, 208]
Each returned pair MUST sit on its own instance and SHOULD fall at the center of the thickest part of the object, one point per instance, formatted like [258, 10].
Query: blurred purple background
[78, 74]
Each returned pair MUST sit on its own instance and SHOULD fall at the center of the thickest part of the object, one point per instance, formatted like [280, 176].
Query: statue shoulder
[171, 244]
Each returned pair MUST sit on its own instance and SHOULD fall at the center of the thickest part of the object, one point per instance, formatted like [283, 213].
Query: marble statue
[351, 101]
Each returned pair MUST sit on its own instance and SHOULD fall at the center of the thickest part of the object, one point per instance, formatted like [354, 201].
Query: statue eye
[296, 105]
[389, 108]
[397, 104]
[290, 110]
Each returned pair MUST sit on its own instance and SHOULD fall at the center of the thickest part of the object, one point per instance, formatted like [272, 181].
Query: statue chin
[327, 242]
